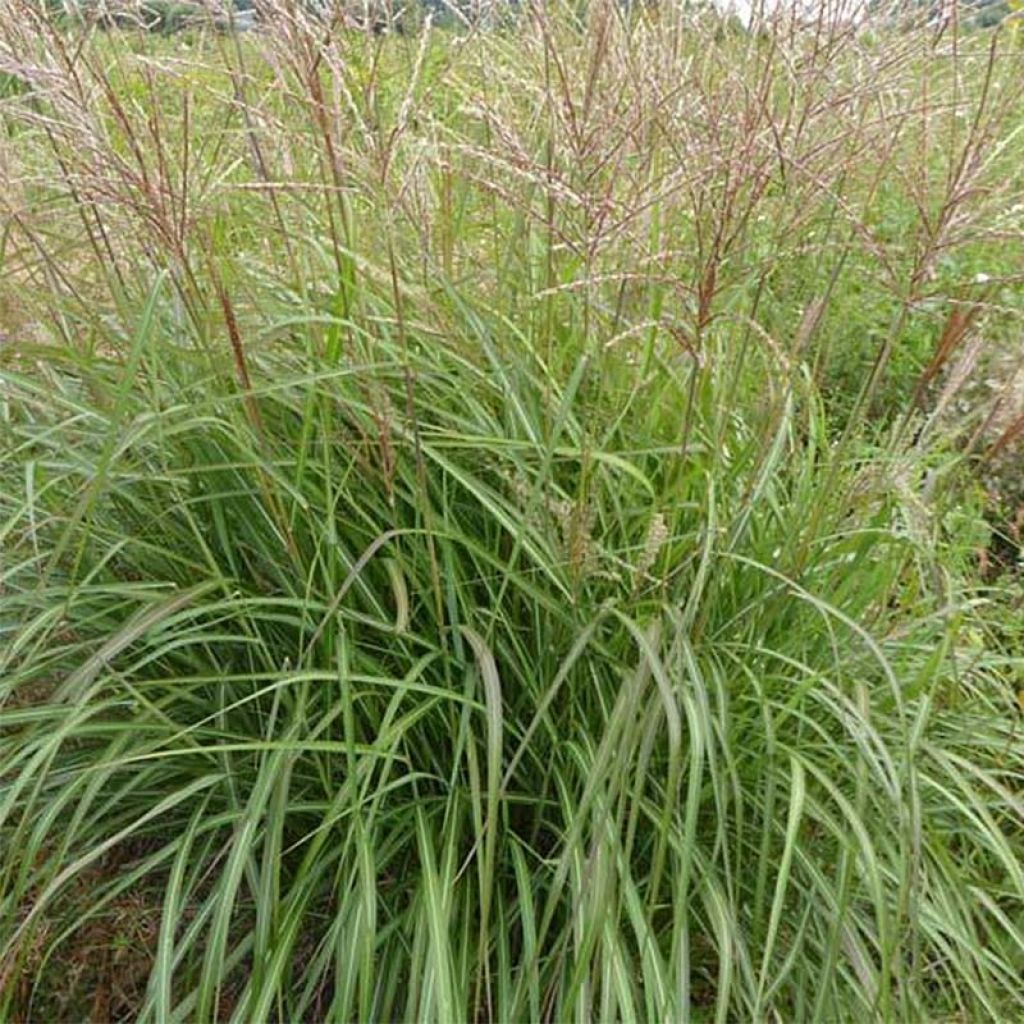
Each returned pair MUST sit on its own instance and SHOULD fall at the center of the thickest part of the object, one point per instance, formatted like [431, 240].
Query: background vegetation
[512, 522]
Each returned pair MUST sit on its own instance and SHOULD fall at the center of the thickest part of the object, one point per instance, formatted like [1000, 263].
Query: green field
[511, 523]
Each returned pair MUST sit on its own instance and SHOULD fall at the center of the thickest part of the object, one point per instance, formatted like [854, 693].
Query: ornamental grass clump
[481, 539]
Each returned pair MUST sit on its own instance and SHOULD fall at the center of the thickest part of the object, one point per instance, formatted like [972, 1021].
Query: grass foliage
[479, 539]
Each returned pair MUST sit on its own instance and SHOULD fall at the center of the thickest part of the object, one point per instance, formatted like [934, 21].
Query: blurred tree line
[168, 16]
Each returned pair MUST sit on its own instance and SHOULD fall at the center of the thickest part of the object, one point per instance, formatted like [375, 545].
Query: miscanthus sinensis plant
[476, 541]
